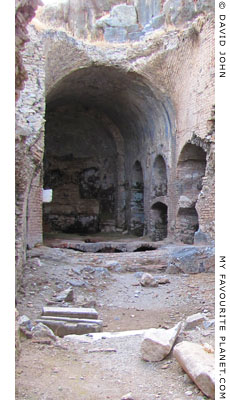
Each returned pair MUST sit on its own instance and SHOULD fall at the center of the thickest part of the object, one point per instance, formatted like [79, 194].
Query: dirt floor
[86, 368]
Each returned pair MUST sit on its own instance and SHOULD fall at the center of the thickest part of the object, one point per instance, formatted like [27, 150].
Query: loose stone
[158, 343]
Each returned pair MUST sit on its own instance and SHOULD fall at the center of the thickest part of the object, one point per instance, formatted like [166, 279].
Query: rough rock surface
[42, 331]
[24, 12]
[179, 11]
[199, 364]
[25, 322]
[158, 343]
[192, 260]
[148, 280]
[120, 16]
[115, 22]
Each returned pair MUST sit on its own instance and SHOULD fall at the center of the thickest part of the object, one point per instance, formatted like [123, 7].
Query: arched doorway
[187, 220]
[159, 216]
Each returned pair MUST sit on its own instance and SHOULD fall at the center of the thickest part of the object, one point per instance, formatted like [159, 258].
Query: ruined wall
[147, 100]
[195, 108]
[120, 21]
[161, 128]
[30, 110]
[24, 12]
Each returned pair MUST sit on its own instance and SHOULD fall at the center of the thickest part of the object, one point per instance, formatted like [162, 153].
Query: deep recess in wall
[160, 213]
[190, 172]
[100, 122]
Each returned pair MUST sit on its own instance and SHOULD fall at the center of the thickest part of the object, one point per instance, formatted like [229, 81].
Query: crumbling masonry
[120, 127]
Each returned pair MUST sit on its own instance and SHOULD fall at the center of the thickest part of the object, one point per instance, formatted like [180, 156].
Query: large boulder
[199, 363]
[157, 343]
[121, 16]
[192, 260]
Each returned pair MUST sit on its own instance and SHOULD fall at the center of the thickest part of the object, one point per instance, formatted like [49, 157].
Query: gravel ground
[79, 370]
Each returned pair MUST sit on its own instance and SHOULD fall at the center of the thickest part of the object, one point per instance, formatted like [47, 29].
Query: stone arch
[160, 184]
[159, 221]
[119, 114]
[187, 224]
[137, 200]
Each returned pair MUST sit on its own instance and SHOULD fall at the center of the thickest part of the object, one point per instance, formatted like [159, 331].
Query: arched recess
[159, 223]
[187, 220]
[190, 172]
[137, 200]
[159, 177]
[99, 121]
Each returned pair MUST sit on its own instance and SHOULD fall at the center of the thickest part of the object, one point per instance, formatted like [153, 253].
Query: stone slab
[158, 343]
[194, 320]
[68, 319]
[89, 313]
[199, 364]
[62, 328]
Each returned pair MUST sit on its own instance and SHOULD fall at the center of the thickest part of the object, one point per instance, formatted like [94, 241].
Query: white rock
[148, 280]
[128, 396]
[194, 320]
[198, 364]
[158, 343]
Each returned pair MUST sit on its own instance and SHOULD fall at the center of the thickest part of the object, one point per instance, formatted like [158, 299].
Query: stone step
[62, 328]
[88, 313]
[72, 320]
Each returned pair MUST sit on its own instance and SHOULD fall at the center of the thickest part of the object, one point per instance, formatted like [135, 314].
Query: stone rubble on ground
[193, 321]
[162, 280]
[157, 343]
[148, 280]
[209, 324]
[25, 322]
[42, 331]
[199, 364]
[66, 295]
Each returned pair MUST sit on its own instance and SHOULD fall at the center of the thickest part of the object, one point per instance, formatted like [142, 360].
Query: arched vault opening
[99, 121]
[190, 172]
[159, 216]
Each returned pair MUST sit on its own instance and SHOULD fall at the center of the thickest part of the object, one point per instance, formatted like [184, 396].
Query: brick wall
[30, 110]
[179, 68]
